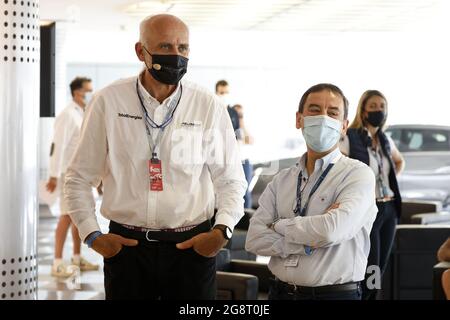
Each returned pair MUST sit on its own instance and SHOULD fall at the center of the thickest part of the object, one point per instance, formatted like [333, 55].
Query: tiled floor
[88, 286]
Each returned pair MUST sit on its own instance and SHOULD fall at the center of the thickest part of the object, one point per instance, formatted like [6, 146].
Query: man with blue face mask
[314, 219]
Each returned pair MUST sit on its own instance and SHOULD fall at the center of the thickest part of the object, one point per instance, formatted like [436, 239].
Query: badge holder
[155, 173]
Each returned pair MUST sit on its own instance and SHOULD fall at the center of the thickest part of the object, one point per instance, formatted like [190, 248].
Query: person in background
[66, 134]
[223, 92]
[314, 218]
[245, 141]
[443, 255]
[237, 121]
[367, 142]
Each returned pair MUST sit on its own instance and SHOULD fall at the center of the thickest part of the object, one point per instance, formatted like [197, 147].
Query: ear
[345, 124]
[76, 93]
[139, 51]
[299, 122]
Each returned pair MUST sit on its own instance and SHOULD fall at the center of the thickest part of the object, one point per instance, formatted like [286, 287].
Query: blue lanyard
[298, 208]
[150, 123]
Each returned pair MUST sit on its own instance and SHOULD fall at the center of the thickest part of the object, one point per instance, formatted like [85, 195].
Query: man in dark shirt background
[242, 135]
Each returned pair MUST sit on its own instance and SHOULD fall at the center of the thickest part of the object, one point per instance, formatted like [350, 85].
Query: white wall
[269, 71]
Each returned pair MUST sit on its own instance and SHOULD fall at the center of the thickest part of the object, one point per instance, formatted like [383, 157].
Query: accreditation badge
[155, 173]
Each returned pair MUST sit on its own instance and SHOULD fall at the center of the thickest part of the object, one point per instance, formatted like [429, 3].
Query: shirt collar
[321, 163]
[77, 107]
[148, 97]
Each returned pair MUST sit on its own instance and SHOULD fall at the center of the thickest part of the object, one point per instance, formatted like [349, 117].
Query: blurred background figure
[367, 142]
[66, 134]
[223, 92]
[243, 137]
[245, 141]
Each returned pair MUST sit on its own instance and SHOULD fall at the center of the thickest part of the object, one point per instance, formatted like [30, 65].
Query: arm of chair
[258, 269]
[242, 286]
[410, 208]
[438, 270]
[431, 218]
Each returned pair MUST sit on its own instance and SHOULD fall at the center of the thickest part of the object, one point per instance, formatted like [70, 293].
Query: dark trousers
[248, 171]
[277, 292]
[381, 240]
[157, 270]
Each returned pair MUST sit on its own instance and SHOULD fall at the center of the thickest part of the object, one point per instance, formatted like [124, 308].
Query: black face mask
[168, 69]
[376, 118]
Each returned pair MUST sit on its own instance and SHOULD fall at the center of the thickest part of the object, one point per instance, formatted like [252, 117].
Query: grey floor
[85, 286]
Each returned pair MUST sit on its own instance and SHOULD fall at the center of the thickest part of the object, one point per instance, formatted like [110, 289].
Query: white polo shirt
[65, 138]
[198, 151]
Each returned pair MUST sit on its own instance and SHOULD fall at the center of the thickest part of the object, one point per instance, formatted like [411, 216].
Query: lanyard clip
[154, 158]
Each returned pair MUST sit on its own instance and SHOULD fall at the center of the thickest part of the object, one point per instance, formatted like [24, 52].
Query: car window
[423, 140]
[395, 135]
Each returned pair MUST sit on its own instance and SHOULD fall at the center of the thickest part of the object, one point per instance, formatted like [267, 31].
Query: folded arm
[357, 208]
[263, 240]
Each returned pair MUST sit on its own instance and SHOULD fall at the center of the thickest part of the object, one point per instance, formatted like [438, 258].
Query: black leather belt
[293, 289]
[160, 236]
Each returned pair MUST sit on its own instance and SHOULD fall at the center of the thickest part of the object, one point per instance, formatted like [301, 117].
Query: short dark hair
[77, 83]
[221, 83]
[320, 87]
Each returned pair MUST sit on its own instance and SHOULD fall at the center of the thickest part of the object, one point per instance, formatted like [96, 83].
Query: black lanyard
[298, 208]
[149, 122]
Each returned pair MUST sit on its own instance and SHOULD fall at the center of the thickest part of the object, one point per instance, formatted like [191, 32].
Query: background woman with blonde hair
[367, 142]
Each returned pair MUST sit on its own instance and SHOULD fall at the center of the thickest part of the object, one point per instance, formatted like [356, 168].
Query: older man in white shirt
[314, 219]
[163, 149]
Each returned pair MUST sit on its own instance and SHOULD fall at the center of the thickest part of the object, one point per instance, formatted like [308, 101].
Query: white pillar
[19, 115]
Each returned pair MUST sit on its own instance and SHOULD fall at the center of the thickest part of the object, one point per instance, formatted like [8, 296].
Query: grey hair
[143, 30]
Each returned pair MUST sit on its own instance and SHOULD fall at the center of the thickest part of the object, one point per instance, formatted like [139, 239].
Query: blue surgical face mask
[87, 97]
[225, 98]
[321, 133]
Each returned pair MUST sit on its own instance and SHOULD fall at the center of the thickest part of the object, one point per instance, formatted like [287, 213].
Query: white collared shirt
[65, 138]
[157, 111]
[114, 148]
[340, 236]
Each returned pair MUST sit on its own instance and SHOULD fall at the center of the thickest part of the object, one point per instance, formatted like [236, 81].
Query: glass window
[423, 140]
[395, 135]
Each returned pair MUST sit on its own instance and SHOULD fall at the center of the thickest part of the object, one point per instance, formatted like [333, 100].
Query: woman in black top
[367, 142]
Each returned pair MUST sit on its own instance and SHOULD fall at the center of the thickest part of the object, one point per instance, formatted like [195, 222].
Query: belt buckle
[294, 290]
[147, 238]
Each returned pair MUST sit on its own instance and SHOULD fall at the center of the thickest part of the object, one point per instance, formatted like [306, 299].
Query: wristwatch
[91, 238]
[226, 231]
